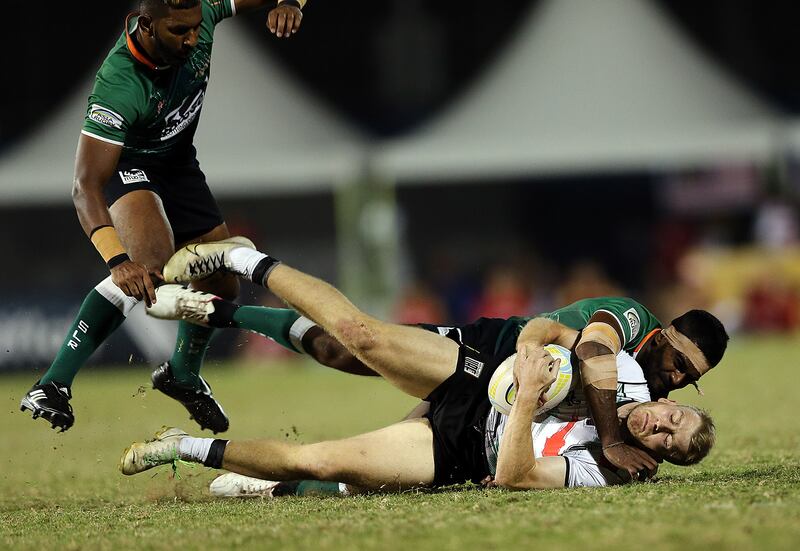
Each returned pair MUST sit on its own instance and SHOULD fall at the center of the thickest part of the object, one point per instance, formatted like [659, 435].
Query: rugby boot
[50, 401]
[198, 401]
[238, 485]
[200, 260]
[161, 450]
[176, 302]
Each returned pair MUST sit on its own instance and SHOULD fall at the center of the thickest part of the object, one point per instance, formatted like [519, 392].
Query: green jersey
[152, 111]
[634, 321]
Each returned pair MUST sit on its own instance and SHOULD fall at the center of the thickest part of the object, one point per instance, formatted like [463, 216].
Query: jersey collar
[644, 340]
[137, 52]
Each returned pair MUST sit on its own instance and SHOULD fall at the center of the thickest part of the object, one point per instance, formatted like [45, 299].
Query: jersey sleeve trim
[620, 327]
[567, 462]
[102, 139]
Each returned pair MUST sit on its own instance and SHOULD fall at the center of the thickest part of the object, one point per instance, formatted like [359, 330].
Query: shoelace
[207, 265]
[191, 308]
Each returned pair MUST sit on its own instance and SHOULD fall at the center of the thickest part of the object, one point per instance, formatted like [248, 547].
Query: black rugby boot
[200, 402]
[50, 401]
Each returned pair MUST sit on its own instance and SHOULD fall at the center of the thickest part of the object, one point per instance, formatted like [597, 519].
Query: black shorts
[190, 208]
[482, 334]
[460, 405]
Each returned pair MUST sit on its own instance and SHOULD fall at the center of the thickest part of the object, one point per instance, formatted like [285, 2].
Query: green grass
[63, 491]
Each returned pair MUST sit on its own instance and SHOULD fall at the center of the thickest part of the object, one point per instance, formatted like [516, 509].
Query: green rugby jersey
[151, 111]
[634, 320]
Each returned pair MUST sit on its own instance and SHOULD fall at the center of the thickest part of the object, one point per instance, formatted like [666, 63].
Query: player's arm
[517, 468]
[597, 350]
[543, 331]
[95, 163]
[283, 20]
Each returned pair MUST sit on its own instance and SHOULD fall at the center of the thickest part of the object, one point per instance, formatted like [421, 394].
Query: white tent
[588, 85]
[259, 132]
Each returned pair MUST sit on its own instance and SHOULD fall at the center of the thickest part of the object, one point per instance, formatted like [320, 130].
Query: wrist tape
[106, 241]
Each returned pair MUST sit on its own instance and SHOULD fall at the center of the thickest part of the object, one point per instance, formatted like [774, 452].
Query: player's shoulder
[119, 77]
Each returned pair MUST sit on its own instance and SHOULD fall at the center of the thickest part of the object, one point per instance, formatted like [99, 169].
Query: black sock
[222, 316]
[262, 270]
[215, 454]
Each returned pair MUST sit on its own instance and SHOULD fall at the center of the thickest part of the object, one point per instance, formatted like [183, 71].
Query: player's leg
[139, 219]
[193, 340]
[195, 217]
[413, 359]
[282, 325]
[390, 459]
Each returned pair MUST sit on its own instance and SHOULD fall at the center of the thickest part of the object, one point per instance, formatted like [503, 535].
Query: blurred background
[441, 161]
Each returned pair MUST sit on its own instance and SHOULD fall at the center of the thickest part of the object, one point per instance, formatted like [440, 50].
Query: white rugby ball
[501, 386]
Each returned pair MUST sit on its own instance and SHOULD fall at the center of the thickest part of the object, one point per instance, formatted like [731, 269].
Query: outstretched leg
[393, 458]
[413, 359]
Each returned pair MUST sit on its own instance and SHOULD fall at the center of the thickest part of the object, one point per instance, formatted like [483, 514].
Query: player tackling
[456, 439]
[139, 191]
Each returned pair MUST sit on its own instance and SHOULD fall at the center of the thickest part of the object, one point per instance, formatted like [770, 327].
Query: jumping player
[139, 191]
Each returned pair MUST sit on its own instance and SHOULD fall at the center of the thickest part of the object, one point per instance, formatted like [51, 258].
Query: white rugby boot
[176, 302]
[162, 450]
[238, 485]
[200, 260]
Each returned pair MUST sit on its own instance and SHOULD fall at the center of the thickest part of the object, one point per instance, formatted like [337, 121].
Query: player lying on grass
[453, 442]
[595, 329]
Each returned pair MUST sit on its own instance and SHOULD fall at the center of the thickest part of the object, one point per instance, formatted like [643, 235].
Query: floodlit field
[63, 491]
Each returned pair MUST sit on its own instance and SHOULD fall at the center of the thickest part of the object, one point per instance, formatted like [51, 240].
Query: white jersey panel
[631, 385]
[577, 441]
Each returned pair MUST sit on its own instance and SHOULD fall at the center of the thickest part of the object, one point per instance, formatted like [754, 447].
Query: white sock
[194, 449]
[245, 260]
[115, 296]
[298, 330]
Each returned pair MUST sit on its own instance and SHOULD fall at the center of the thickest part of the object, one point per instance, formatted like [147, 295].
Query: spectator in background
[771, 305]
[776, 225]
[507, 292]
[586, 279]
[418, 304]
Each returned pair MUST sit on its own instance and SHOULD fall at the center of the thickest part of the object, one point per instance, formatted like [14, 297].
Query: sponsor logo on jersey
[133, 176]
[177, 120]
[473, 366]
[106, 117]
[633, 321]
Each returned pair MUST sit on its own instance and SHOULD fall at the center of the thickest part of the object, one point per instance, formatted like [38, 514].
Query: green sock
[317, 488]
[190, 349]
[96, 320]
[274, 323]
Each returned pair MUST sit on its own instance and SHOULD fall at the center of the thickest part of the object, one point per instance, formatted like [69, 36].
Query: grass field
[63, 491]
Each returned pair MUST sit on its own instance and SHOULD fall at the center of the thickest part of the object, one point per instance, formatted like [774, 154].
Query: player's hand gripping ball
[502, 390]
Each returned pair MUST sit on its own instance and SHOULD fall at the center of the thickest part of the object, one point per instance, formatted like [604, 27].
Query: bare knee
[358, 335]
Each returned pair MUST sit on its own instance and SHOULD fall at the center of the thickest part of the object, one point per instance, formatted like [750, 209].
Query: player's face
[175, 35]
[664, 427]
[670, 369]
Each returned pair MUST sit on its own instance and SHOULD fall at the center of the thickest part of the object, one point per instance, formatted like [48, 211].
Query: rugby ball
[502, 390]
